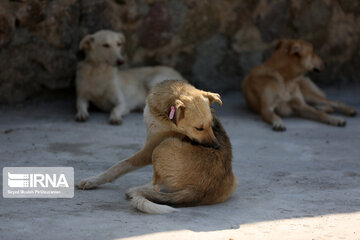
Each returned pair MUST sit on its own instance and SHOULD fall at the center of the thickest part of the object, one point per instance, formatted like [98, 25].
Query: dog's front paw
[87, 183]
[352, 112]
[336, 121]
[115, 120]
[279, 126]
[129, 193]
[82, 116]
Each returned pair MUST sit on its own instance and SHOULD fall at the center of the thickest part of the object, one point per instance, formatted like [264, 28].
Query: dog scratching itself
[98, 79]
[278, 87]
[188, 147]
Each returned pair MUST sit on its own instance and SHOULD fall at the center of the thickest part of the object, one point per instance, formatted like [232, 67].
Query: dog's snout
[319, 68]
[216, 145]
[318, 64]
[119, 62]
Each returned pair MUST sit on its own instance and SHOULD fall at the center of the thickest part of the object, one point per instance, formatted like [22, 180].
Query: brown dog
[189, 149]
[278, 87]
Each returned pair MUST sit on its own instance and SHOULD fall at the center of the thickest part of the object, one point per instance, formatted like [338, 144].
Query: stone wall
[213, 43]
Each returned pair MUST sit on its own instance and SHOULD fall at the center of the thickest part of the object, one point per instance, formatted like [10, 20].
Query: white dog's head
[104, 46]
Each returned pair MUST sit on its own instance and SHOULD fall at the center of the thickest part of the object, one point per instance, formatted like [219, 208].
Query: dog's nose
[119, 62]
[216, 145]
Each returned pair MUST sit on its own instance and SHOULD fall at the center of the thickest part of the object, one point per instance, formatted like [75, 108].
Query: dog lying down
[278, 87]
[98, 80]
[188, 147]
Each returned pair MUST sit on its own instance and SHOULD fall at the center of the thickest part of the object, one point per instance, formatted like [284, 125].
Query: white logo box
[38, 182]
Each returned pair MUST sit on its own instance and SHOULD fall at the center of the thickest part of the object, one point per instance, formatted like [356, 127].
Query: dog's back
[150, 76]
[205, 172]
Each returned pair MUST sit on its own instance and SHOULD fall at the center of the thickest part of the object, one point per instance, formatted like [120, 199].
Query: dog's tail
[144, 198]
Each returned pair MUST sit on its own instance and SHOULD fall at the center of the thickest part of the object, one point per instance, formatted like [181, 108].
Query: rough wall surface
[213, 43]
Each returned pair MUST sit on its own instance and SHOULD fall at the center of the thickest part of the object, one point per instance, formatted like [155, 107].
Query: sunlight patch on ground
[326, 227]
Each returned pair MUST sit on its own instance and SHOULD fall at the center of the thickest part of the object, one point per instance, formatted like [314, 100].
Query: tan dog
[189, 149]
[99, 81]
[278, 87]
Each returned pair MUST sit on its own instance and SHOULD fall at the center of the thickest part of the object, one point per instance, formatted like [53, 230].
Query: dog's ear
[213, 97]
[86, 43]
[176, 111]
[284, 45]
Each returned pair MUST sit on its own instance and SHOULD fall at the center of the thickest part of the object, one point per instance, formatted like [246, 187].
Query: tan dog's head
[104, 46]
[302, 52]
[187, 109]
[194, 119]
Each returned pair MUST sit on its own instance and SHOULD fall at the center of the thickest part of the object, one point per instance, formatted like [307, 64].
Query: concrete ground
[300, 184]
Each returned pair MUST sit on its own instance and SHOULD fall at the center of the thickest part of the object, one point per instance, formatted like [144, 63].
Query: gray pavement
[305, 180]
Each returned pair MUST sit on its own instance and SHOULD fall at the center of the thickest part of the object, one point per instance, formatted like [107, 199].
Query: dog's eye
[119, 44]
[199, 129]
[106, 45]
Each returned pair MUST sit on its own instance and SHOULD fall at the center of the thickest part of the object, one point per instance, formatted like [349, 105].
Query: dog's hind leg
[140, 159]
[322, 101]
[314, 96]
[324, 108]
[306, 111]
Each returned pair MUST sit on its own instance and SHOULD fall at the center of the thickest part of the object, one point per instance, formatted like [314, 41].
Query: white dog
[117, 91]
